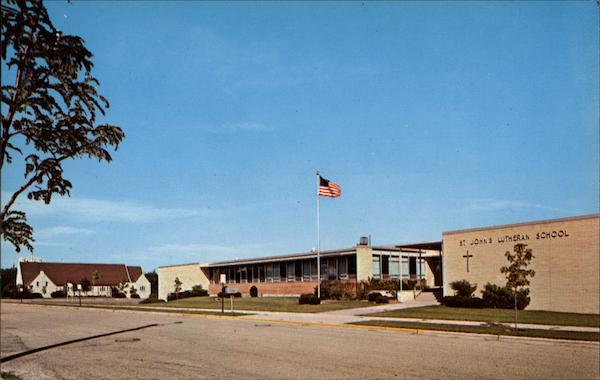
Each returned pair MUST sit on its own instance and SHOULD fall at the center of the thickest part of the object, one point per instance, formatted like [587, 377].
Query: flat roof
[179, 265]
[545, 221]
[293, 256]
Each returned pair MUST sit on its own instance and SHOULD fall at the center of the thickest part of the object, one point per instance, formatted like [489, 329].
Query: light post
[79, 291]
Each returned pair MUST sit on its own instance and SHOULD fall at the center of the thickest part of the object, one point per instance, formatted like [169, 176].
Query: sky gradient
[431, 116]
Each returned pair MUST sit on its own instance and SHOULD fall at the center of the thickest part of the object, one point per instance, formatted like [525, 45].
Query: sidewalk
[340, 317]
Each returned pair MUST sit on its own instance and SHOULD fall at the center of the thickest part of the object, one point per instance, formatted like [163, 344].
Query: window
[270, 273]
[313, 269]
[422, 268]
[343, 268]
[276, 272]
[37, 283]
[376, 267]
[291, 272]
[352, 265]
[405, 268]
[394, 267]
[332, 270]
[261, 272]
[306, 270]
[298, 270]
[142, 289]
[46, 283]
[283, 271]
[385, 266]
[323, 269]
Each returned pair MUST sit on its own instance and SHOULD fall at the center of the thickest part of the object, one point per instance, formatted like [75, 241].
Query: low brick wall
[269, 288]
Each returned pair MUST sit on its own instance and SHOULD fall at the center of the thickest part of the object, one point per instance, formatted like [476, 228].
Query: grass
[495, 315]
[493, 330]
[283, 304]
[9, 376]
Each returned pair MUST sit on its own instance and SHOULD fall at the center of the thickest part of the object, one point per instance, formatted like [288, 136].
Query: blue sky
[432, 116]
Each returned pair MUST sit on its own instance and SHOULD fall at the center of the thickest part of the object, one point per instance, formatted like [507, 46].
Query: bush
[460, 301]
[253, 291]
[336, 290]
[198, 291]
[309, 299]
[378, 298]
[135, 295]
[503, 298]
[36, 295]
[58, 294]
[228, 295]
[151, 300]
[118, 295]
[463, 288]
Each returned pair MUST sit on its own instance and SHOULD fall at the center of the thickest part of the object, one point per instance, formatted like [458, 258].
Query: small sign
[231, 291]
[223, 279]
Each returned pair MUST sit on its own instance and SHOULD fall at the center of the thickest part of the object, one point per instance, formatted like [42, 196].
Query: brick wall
[269, 288]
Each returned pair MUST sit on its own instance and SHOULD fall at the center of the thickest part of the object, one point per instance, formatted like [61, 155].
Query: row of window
[396, 267]
[337, 268]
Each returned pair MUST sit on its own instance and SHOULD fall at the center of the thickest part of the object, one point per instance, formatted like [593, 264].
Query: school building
[566, 263]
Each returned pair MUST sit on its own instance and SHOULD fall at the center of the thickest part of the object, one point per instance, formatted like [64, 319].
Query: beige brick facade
[566, 260]
[364, 263]
[188, 274]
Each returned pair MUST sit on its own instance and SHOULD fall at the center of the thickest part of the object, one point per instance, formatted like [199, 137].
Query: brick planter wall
[269, 288]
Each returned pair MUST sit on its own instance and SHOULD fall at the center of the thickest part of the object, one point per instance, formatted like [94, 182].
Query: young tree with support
[517, 273]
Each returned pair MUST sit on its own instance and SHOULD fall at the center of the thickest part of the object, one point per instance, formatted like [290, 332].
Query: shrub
[135, 295]
[151, 300]
[309, 299]
[58, 294]
[378, 298]
[461, 301]
[336, 290]
[229, 295]
[36, 295]
[463, 288]
[198, 291]
[503, 298]
[253, 291]
[118, 295]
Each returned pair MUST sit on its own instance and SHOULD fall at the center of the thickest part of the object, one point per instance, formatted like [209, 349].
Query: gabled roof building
[46, 278]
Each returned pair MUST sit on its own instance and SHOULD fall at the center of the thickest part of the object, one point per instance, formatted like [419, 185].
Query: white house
[46, 278]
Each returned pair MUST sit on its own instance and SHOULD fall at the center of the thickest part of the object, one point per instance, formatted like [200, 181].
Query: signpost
[79, 291]
[231, 292]
[223, 280]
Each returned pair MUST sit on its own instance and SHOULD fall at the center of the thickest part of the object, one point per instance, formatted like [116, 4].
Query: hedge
[309, 299]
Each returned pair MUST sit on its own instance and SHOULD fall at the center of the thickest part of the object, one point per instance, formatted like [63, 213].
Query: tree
[153, 279]
[95, 277]
[177, 287]
[85, 285]
[122, 286]
[48, 112]
[132, 291]
[517, 274]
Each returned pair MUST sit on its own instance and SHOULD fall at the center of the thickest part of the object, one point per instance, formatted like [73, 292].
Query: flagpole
[318, 239]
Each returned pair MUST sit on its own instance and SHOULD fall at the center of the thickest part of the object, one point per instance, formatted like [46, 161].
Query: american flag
[328, 188]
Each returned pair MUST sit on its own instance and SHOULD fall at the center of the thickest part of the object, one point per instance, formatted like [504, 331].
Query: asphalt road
[209, 347]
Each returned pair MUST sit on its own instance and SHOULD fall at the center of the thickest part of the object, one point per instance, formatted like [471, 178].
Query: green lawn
[495, 315]
[286, 304]
[553, 334]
